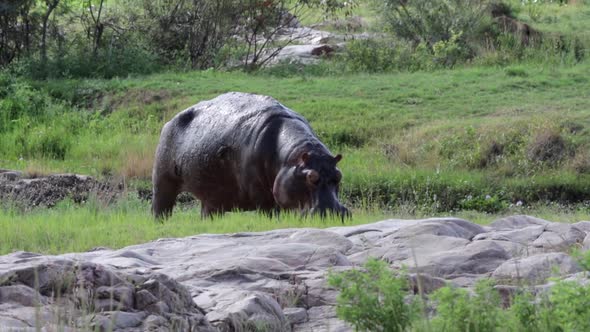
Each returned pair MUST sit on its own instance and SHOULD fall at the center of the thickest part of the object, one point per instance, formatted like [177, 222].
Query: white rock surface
[274, 279]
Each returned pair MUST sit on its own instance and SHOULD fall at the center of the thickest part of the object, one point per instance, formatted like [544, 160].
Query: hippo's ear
[338, 158]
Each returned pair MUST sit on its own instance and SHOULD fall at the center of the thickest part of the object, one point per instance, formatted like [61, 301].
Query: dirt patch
[26, 192]
[141, 97]
[549, 147]
[491, 154]
[46, 191]
[523, 32]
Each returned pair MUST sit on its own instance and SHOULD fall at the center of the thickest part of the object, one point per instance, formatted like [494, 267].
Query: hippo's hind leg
[164, 196]
[210, 211]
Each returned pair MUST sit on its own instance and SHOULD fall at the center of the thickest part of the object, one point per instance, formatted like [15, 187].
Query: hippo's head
[312, 185]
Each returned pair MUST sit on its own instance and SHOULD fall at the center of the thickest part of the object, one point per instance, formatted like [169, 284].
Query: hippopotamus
[243, 151]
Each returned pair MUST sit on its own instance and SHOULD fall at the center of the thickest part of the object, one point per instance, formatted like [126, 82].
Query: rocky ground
[29, 191]
[272, 280]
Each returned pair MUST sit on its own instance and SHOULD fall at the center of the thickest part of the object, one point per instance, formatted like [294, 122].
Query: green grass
[70, 227]
[548, 17]
[414, 143]
[419, 138]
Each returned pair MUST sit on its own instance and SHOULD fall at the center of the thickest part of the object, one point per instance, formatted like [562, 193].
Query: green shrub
[457, 310]
[369, 55]
[489, 204]
[121, 57]
[19, 101]
[430, 22]
[373, 299]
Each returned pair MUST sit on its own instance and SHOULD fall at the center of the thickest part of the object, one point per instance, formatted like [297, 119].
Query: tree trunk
[51, 5]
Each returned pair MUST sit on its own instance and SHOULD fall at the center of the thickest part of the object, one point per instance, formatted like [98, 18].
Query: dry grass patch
[581, 162]
[137, 164]
[548, 146]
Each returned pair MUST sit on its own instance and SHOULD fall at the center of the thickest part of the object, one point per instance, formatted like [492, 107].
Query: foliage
[364, 301]
[373, 299]
[490, 204]
[457, 310]
[102, 38]
[431, 22]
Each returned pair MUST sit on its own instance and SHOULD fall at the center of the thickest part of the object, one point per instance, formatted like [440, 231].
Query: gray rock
[480, 257]
[308, 36]
[517, 222]
[523, 235]
[23, 295]
[304, 54]
[274, 280]
[249, 311]
[584, 226]
[95, 289]
[295, 315]
[441, 227]
[537, 268]
[425, 283]
[586, 242]
[559, 237]
[323, 318]
[322, 238]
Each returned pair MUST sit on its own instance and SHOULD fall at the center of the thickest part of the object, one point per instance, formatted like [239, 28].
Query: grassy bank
[436, 139]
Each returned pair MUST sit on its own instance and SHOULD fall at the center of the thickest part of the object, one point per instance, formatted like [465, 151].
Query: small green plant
[370, 55]
[487, 203]
[447, 53]
[372, 299]
[457, 310]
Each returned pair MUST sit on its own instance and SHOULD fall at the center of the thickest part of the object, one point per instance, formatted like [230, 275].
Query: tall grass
[73, 227]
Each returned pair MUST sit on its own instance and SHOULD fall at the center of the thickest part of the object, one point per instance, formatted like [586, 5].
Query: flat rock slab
[274, 280]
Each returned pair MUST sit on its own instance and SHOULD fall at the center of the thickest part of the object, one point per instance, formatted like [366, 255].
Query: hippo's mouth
[325, 202]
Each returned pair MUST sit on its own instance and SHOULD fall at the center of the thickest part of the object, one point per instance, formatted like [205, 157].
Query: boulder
[295, 315]
[517, 222]
[536, 269]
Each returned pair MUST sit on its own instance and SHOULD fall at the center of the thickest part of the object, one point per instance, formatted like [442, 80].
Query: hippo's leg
[208, 211]
[274, 212]
[165, 191]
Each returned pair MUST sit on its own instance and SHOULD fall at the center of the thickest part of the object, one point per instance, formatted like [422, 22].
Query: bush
[32, 124]
[19, 102]
[430, 22]
[370, 55]
[382, 55]
[456, 310]
[373, 299]
[489, 204]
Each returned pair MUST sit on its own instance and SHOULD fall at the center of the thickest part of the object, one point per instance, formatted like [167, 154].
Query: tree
[50, 6]
[17, 24]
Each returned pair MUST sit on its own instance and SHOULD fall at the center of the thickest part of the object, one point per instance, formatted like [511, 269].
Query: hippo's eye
[313, 177]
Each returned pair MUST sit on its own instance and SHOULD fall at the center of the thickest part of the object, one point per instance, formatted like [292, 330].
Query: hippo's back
[233, 119]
